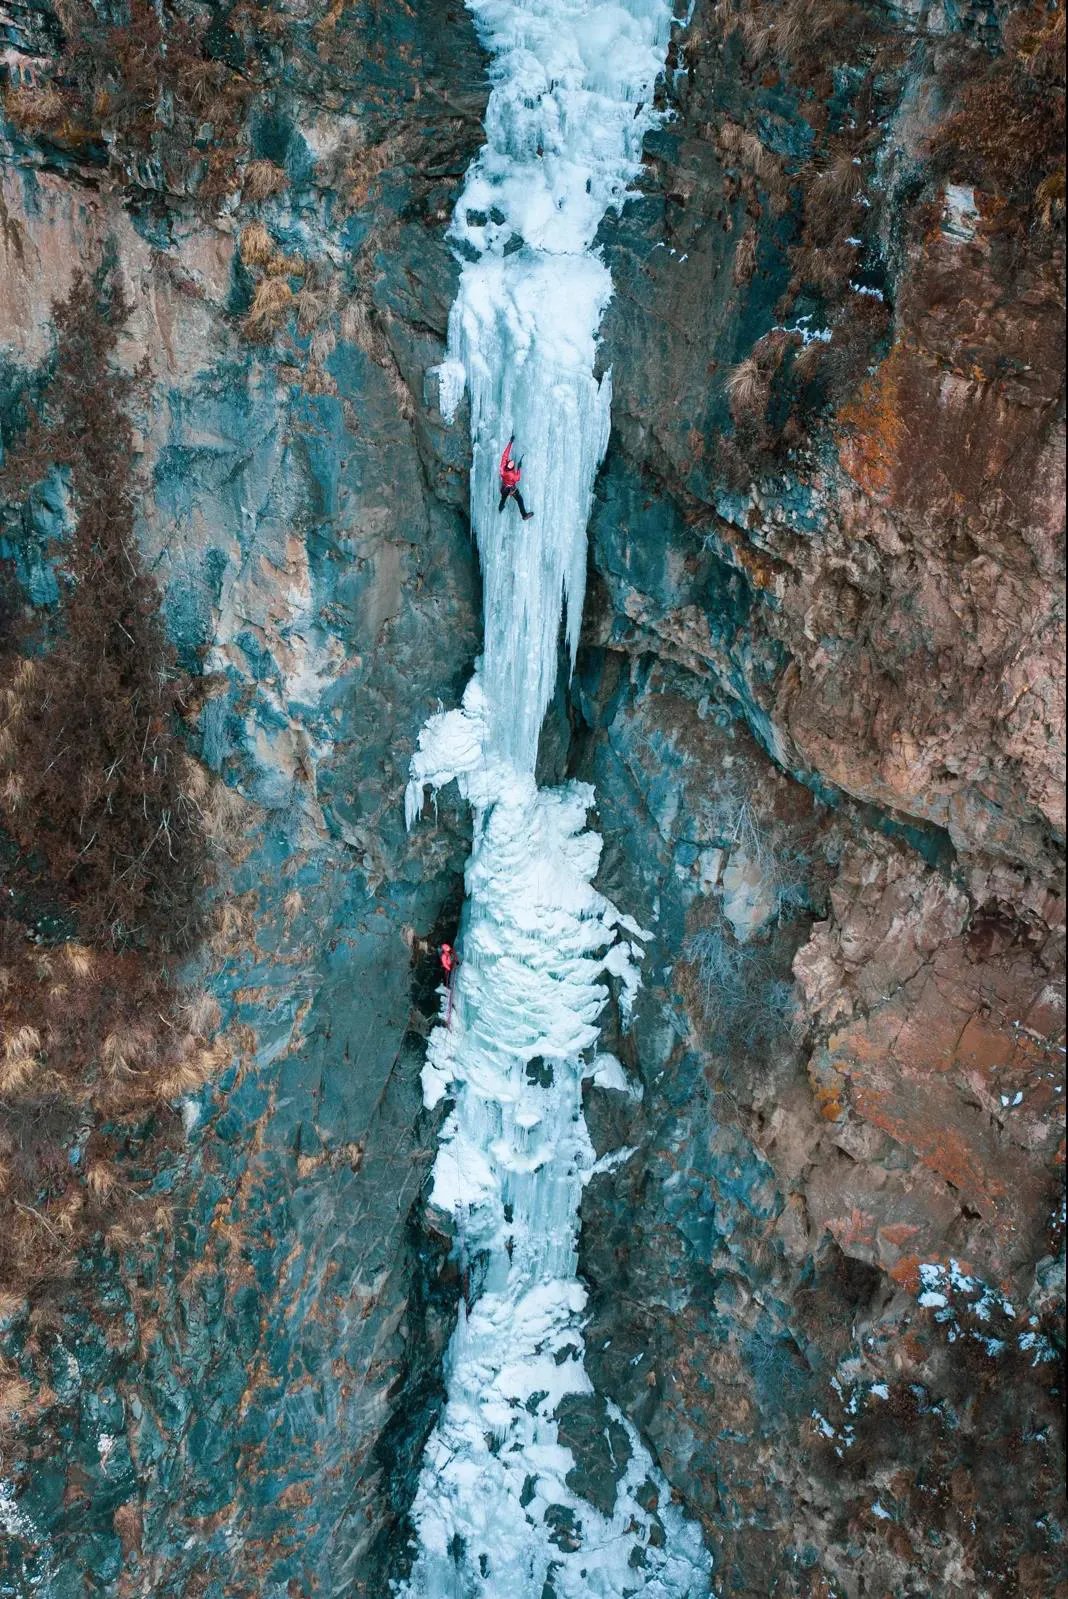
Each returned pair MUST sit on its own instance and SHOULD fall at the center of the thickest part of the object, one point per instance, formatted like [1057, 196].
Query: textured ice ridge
[496, 1510]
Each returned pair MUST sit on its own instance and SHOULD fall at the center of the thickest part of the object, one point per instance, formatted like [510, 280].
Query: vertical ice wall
[499, 1512]
[571, 102]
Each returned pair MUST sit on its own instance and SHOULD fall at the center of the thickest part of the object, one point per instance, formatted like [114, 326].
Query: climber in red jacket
[510, 474]
[449, 962]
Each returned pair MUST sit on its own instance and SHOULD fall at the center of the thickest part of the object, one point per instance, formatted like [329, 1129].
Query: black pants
[512, 494]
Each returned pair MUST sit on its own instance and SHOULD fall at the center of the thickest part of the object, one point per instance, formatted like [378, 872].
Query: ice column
[499, 1512]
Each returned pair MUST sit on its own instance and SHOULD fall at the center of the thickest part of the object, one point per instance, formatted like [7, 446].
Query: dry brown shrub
[203, 83]
[256, 246]
[1008, 129]
[127, 1523]
[34, 107]
[284, 266]
[147, 84]
[112, 845]
[271, 305]
[91, 789]
[365, 164]
[747, 389]
[262, 179]
[745, 257]
[1049, 199]
[311, 308]
[802, 27]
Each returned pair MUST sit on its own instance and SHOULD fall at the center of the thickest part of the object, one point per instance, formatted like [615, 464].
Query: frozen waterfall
[496, 1513]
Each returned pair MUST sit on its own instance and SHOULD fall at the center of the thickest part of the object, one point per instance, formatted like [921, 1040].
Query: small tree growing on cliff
[92, 759]
[100, 829]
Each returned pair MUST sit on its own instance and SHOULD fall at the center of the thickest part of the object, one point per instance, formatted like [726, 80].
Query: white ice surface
[539, 945]
[572, 87]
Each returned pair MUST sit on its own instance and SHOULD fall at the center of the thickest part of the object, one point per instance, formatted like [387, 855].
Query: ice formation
[571, 102]
[497, 1513]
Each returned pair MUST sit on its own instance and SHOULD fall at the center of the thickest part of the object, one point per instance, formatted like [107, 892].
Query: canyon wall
[820, 695]
[822, 701]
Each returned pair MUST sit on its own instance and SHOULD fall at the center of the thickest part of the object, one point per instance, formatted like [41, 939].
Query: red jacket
[510, 473]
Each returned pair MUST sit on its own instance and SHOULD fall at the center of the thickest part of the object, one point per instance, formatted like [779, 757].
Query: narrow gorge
[701, 1230]
[496, 1509]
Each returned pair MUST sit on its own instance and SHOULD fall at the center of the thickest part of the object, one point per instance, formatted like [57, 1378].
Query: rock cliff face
[820, 696]
[822, 702]
[234, 1408]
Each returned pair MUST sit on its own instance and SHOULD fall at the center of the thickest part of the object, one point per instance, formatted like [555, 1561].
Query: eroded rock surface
[240, 1410]
[820, 696]
[822, 703]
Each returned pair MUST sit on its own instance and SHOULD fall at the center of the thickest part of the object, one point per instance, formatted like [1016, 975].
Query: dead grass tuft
[271, 305]
[285, 266]
[21, 1043]
[311, 308]
[124, 1051]
[11, 1305]
[200, 1012]
[745, 256]
[262, 179]
[831, 195]
[356, 322]
[739, 147]
[193, 1070]
[16, 1396]
[196, 780]
[100, 1179]
[256, 246]
[34, 108]
[78, 958]
[747, 389]
[1008, 130]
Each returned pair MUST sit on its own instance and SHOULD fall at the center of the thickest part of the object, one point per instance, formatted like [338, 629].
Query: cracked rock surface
[820, 695]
